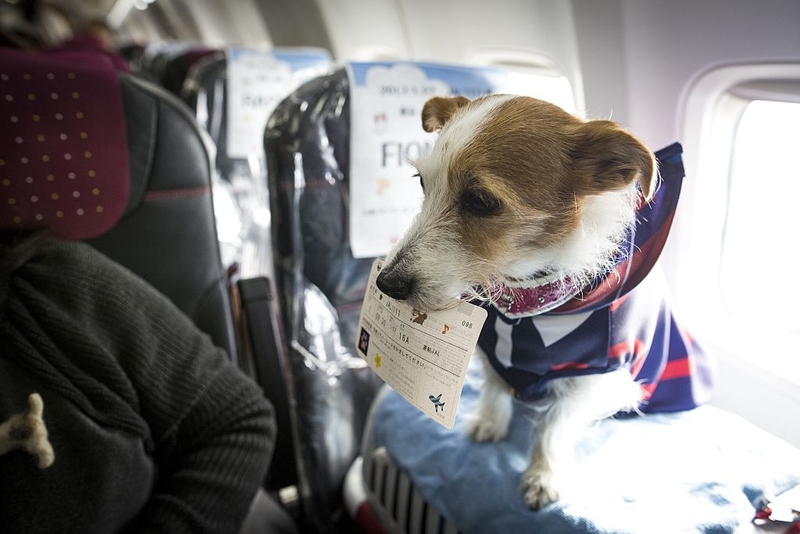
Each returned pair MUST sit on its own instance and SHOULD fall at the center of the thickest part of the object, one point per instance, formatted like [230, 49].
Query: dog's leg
[495, 407]
[571, 405]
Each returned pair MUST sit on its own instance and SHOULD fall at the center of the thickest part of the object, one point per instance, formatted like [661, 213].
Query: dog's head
[515, 186]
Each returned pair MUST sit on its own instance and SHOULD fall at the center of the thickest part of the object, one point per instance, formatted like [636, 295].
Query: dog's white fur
[555, 194]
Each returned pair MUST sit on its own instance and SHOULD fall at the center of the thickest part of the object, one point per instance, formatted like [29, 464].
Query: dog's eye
[479, 203]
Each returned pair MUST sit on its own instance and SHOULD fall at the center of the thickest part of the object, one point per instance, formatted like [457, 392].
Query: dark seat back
[177, 68]
[321, 286]
[204, 92]
[207, 85]
[256, 81]
[170, 214]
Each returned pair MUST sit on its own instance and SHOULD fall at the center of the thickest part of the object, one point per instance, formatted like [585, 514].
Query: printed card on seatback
[257, 81]
[386, 100]
[422, 356]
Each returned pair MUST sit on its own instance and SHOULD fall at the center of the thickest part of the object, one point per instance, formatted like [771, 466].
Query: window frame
[752, 384]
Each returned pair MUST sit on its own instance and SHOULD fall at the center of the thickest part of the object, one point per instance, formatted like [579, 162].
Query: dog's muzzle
[394, 283]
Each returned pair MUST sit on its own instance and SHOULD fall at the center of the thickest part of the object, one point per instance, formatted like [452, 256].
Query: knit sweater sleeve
[211, 427]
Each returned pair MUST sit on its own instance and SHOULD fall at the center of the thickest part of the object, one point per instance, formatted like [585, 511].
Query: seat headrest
[63, 146]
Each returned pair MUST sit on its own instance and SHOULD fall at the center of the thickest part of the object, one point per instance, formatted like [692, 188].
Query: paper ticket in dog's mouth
[422, 356]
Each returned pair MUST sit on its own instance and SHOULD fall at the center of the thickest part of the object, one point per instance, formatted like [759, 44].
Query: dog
[530, 210]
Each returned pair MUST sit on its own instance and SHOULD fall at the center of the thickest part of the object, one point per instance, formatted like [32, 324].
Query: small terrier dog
[520, 194]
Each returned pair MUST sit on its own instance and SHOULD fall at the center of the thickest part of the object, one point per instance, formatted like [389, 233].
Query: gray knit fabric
[154, 430]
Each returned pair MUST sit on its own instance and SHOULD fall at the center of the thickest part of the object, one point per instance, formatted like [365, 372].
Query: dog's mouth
[539, 293]
[514, 297]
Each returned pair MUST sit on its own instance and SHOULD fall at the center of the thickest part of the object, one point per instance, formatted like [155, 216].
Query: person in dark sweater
[116, 413]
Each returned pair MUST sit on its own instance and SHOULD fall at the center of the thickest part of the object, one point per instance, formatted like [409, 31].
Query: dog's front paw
[485, 429]
[538, 487]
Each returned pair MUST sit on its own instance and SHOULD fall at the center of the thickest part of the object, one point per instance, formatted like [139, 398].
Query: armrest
[266, 363]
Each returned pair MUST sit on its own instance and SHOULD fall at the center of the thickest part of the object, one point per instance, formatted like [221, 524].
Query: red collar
[532, 296]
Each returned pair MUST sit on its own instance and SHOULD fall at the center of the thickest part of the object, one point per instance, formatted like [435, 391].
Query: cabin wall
[668, 45]
[455, 31]
[601, 52]
[640, 58]
[219, 25]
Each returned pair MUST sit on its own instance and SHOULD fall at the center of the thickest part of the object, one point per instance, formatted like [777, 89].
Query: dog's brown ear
[611, 158]
[438, 110]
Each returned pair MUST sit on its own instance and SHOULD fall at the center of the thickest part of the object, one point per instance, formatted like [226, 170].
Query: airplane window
[730, 265]
[761, 224]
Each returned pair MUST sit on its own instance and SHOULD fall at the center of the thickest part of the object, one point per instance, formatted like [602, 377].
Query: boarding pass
[422, 356]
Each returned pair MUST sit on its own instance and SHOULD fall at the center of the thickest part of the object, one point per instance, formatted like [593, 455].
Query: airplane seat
[152, 61]
[155, 57]
[130, 174]
[257, 80]
[171, 62]
[237, 180]
[133, 53]
[177, 68]
[320, 277]
[169, 180]
[321, 287]
[204, 91]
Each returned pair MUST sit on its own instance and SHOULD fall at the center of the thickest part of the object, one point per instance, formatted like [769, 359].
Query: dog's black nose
[396, 286]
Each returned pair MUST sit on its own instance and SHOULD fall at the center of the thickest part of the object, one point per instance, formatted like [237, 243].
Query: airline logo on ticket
[422, 356]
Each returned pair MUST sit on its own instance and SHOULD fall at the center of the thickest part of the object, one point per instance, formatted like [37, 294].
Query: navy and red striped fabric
[644, 242]
[623, 320]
